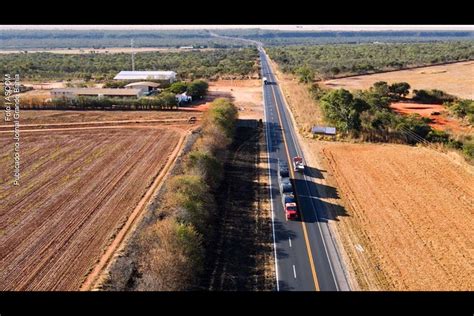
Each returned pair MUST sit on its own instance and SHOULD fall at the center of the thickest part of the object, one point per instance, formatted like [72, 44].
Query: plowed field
[411, 215]
[77, 190]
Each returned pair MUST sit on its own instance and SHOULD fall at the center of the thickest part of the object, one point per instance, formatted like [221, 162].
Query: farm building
[146, 86]
[146, 75]
[70, 93]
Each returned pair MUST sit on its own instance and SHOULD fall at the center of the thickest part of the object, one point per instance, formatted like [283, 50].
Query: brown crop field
[410, 215]
[456, 79]
[59, 117]
[78, 189]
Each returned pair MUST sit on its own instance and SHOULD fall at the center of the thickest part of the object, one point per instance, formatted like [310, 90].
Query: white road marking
[289, 240]
[269, 145]
[299, 152]
[294, 271]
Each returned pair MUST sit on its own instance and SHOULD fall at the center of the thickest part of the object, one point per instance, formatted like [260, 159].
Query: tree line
[188, 64]
[171, 249]
[303, 37]
[95, 39]
[336, 60]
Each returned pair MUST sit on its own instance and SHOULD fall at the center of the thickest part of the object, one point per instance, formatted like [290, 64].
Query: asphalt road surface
[305, 253]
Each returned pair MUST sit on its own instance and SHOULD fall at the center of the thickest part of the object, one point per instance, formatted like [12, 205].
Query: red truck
[291, 211]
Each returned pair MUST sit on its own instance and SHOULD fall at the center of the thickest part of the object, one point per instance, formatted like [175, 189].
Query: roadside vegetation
[337, 60]
[171, 249]
[212, 64]
[366, 114]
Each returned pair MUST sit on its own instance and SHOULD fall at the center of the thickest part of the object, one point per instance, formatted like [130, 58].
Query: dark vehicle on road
[283, 170]
[286, 186]
[287, 198]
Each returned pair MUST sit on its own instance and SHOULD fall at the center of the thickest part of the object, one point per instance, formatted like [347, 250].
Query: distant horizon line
[295, 27]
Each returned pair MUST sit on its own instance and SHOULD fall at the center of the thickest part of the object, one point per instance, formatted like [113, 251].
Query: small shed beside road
[325, 130]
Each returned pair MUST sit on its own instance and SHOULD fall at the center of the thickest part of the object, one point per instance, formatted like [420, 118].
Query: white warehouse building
[146, 75]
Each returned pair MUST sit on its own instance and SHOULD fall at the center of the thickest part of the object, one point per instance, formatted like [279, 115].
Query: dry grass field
[78, 189]
[456, 79]
[410, 215]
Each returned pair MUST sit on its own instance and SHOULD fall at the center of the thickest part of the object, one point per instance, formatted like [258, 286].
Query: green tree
[223, 114]
[381, 88]
[193, 200]
[341, 109]
[197, 89]
[178, 87]
[399, 89]
[305, 74]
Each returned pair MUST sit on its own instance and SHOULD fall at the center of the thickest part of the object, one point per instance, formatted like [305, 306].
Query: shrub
[223, 114]
[462, 108]
[305, 74]
[170, 256]
[378, 120]
[432, 96]
[193, 200]
[438, 137]
[468, 149]
[178, 87]
[413, 123]
[197, 89]
[207, 166]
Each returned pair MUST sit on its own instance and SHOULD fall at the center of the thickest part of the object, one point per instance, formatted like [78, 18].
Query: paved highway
[305, 253]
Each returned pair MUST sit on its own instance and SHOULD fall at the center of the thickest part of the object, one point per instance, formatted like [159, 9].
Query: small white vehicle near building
[183, 98]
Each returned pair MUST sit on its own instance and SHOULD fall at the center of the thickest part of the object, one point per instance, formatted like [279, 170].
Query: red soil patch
[439, 122]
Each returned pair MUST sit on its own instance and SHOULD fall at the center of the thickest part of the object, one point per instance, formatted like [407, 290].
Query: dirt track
[77, 190]
[410, 223]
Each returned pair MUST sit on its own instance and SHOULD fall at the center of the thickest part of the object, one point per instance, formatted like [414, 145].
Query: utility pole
[133, 55]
